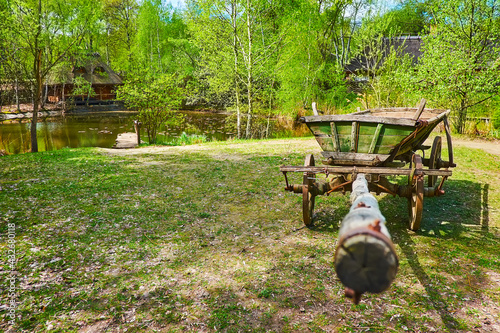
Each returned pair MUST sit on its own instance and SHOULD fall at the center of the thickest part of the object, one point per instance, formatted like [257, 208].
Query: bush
[154, 97]
[496, 119]
[185, 139]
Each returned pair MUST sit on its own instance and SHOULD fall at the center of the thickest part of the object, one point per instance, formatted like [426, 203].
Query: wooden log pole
[137, 127]
[315, 109]
[365, 259]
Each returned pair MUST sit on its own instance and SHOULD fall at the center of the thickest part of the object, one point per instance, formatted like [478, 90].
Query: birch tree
[216, 27]
[318, 43]
[238, 47]
[121, 18]
[151, 20]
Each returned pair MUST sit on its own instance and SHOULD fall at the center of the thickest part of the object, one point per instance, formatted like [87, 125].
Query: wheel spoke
[416, 199]
[434, 160]
[308, 195]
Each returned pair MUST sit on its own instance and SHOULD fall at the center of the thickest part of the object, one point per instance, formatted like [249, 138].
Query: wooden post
[420, 109]
[365, 260]
[137, 127]
[315, 110]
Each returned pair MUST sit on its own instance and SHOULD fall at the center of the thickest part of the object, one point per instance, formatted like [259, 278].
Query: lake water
[101, 130]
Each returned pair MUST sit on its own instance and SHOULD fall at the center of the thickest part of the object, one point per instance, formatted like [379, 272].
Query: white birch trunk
[249, 76]
[235, 54]
[365, 260]
[158, 46]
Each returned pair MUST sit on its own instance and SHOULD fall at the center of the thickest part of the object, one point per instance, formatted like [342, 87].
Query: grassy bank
[204, 238]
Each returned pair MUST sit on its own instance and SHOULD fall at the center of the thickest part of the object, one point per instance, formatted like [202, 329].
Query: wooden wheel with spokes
[434, 160]
[308, 194]
[416, 198]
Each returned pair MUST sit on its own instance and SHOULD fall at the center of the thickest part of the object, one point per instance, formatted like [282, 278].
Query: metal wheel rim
[308, 196]
[416, 199]
[434, 160]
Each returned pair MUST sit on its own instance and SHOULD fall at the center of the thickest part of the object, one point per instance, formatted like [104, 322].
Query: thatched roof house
[104, 80]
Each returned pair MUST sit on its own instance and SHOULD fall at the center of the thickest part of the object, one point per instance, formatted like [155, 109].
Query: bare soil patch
[492, 147]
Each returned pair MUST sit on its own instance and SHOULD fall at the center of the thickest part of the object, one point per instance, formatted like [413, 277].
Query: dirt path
[492, 147]
[126, 140]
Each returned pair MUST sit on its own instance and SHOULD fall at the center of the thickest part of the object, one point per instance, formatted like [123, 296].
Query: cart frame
[425, 176]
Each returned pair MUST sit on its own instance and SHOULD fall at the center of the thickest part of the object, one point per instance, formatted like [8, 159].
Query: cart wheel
[434, 160]
[416, 199]
[308, 195]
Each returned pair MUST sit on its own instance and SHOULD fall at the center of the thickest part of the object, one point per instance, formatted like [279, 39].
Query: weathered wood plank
[375, 139]
[355, 132]
[354, 136]
[382, 171]
[359, 118]
[325, 142]
[420, 109]
[126, 140]
[335, 137]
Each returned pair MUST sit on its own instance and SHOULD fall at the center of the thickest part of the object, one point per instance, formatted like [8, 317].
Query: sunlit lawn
[204, 238]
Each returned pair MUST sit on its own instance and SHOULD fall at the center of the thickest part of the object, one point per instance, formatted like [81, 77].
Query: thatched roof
[97, 73]
[92, 69]
[405, 45]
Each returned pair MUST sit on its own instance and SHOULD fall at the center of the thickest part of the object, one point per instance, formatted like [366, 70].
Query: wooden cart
[378, 143]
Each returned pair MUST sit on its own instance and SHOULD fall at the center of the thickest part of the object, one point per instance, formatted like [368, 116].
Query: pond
[101, 129]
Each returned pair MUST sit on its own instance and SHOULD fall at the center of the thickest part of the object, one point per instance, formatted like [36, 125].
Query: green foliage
[82, 89]
[411, 17]
[318, 43]
[393, 86]
[264, 57]
[120, 17]
[458, 67]
[185, 139]
[496, 118]
[162, 44]
[154, 97]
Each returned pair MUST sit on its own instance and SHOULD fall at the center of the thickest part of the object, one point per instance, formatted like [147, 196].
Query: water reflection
[93, 130]
[101, 130]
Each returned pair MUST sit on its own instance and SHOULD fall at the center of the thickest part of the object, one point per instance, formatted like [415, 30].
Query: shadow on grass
[437, 301]
[449, 218]
[329, 212]
[464, 205]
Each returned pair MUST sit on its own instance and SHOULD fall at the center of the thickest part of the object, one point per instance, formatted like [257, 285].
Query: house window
[99, 70]
[80, 70]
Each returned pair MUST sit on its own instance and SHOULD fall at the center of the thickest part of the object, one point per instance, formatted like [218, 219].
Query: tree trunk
[107, 45]
[249, 76]
[158, 46]
[365, 259]
[235, 53]
[462, 117]
[44, 96]
[17, 96]
[37, 69]
[62, 95]
[151, 53]
[36, 101]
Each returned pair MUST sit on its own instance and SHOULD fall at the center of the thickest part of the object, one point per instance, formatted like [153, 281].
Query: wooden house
[104, 80]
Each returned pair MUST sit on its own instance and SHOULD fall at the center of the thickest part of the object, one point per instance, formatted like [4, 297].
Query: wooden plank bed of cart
[378, 143]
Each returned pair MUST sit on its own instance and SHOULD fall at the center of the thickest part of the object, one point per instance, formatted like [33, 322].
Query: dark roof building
[371, 59]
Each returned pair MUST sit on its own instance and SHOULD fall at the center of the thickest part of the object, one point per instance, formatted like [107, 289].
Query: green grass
[204, 238]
